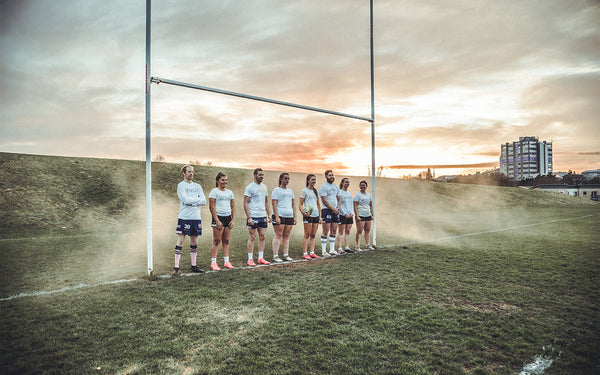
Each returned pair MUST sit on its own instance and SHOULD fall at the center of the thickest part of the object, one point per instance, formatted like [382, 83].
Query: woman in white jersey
[310, 208]
[222, 208]
[363, 209]
[346, 217]
[284, 217]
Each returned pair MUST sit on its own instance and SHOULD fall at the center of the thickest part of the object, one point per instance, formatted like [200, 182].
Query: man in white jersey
[331, 199]
[191, 198]
[258, 215]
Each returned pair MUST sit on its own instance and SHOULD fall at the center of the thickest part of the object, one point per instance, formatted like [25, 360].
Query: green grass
[482, 304]
[432, 301]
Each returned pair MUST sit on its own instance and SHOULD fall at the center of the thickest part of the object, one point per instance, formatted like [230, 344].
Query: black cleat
[176, 272]
[195, 269]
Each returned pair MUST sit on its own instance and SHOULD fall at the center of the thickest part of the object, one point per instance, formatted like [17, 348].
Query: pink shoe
[307, 257]
[214, 267]
[251, 263]
[228, 265]
[315, 256]
[263, 261]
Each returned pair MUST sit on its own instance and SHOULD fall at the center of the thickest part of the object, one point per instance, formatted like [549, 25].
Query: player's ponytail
[219, 175]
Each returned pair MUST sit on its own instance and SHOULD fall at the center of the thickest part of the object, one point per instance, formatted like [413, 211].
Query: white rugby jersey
[191, 197]
[364, 200]
[257, 194]
[223, 200]
[284, 201]
[330, 191]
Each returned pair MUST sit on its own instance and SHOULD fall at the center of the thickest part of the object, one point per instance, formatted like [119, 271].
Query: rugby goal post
[150, 80]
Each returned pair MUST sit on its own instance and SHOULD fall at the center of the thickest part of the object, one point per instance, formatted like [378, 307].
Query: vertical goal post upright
[150, 80]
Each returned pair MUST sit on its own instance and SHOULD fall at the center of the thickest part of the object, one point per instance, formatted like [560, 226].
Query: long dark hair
[308, 177]
[281, 176]
[219, 175]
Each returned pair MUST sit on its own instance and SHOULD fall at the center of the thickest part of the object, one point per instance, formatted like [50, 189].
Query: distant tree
[159, 158]
[429, 175]
[572, 178]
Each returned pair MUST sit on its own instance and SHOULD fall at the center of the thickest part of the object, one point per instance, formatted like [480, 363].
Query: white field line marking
[538, 366]
[59, 237]
[80, 286]
[485, 232]
[65, 289]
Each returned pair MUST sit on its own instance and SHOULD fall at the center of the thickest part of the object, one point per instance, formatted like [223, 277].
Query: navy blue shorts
[311, 220]
[365, 218]
[284, 220]
[189, 227]
[346, 220]
[329, 217]
[258, 222]
[225, 220]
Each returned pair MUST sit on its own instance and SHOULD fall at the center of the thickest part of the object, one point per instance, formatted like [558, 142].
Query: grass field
[469, 280]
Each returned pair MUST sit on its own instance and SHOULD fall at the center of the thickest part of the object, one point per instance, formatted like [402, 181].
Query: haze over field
[453, 81]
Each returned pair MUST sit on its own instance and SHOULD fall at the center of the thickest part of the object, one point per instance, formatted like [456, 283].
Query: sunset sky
[453, 81]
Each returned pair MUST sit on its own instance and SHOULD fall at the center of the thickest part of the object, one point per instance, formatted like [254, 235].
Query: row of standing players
[332, 207]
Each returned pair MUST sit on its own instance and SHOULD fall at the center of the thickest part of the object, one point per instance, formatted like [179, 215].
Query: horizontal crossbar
[231, 93]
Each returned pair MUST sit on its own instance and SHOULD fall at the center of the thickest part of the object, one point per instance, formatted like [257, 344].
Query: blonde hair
[184, 168]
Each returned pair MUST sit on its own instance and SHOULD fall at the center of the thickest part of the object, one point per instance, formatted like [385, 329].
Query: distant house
[591, 173]
[583, 191]
[445, 178]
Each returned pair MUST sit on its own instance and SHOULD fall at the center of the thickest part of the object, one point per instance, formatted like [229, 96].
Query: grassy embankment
[484, 303]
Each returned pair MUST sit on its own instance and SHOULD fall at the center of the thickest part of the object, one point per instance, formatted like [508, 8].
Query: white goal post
[150, 80]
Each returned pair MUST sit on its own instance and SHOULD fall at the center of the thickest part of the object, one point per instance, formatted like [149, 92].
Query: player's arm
[201, 198]
[267, 209]
[339, 204]
[190, 199]
[232, 204]
[294, 209]
[356, 211]
[275, 210]
[247, 207]
[213, 211]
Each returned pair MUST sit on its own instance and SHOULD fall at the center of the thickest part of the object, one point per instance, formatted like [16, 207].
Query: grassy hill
[469, 280]
[52, 192]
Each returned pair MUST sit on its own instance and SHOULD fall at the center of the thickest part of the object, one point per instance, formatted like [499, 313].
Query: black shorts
[311, 220]
[284, 220]
[259, 222]
[225, 220]
[189, 227]
[365, 218]
[328, 216]
[346, 220]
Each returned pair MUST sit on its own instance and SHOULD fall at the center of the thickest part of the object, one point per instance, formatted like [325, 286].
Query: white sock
[225, 259]
[250, 256]
[260, 254]
[323, 244]
[331, 244]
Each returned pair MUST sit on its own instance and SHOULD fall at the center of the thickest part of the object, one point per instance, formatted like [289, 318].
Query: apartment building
[526, 158]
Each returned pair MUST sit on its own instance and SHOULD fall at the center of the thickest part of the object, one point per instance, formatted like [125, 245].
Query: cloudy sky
[453, 81]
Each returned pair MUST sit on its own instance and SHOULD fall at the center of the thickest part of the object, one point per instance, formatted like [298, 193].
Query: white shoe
[277, 259]
[369, 247]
